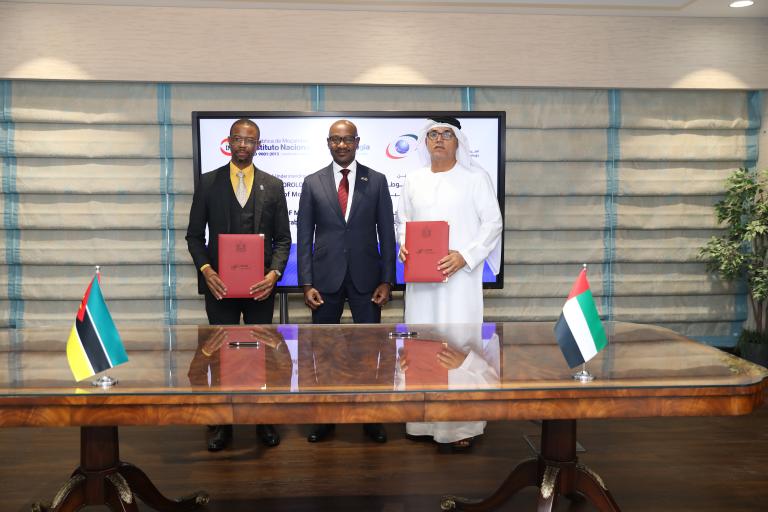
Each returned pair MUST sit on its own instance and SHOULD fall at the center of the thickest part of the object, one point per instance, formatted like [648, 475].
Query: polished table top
[480, 371]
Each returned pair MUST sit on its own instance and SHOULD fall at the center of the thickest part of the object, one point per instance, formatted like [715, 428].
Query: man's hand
[403, 254]
[312, 297]
[451, 264]
[381, 294]
[270, 336]
[214, 283]
[263, 288]
[214, 341]
[450, 357]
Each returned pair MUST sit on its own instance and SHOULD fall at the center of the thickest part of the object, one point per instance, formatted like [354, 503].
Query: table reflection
[292, 358]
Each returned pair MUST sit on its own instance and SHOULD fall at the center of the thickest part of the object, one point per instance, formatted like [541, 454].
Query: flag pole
[583, 375]
[105, 381]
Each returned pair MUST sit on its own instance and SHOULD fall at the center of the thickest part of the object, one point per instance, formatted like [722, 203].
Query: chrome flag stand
[583, 375]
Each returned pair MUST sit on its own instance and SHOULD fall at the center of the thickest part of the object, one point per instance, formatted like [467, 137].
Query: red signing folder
[244, 366]
[241, 263]
[423, 367]
[427, 243]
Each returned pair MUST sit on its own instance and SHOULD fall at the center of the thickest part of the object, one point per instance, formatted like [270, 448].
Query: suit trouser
[229, 311]
[364, 310]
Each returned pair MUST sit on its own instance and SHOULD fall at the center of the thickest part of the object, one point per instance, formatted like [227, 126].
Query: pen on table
[244, 344]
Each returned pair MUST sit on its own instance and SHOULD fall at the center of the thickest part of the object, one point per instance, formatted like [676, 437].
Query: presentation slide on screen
[294, 147]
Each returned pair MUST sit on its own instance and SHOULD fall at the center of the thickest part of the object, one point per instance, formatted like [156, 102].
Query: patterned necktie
[242, 192]
[344, 192]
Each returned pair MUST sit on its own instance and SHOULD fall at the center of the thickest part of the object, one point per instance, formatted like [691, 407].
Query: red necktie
[344, 192]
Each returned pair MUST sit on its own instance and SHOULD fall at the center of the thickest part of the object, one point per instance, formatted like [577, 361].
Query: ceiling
[687, 8]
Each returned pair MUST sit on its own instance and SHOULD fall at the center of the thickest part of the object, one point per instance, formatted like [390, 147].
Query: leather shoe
[376, 432]
[268, 435]
[220, 437]
[320, 432]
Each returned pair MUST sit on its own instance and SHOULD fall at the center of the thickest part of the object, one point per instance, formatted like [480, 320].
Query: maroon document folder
[243, 366]
[427, 243]
[241, 263]
[424, 370]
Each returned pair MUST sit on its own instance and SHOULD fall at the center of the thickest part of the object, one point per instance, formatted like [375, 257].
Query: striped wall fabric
[624, 180]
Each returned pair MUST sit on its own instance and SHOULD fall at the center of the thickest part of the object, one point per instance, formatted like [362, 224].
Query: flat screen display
[293, 145]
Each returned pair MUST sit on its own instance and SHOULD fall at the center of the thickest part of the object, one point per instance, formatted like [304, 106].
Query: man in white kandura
[454, 189]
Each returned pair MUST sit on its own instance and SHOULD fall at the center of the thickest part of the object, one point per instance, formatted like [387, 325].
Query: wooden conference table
[183, 375]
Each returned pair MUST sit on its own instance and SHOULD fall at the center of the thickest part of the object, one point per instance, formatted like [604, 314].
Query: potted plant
[740, 252]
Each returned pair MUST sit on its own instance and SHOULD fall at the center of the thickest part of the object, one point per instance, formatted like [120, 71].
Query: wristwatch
[279, 274]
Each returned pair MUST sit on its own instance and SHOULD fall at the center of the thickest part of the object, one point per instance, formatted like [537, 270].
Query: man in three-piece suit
[346, 243]
[239, 198]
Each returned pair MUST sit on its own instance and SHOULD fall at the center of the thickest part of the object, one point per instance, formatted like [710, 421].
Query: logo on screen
[224, 147]
[402, 146]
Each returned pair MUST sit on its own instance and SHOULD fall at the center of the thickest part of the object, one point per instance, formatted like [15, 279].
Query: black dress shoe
[320, 432]
[268, 435]
[220, 437]
[376, 432]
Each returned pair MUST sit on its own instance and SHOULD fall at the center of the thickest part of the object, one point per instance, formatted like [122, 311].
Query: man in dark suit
[346, 243]
[239, 198]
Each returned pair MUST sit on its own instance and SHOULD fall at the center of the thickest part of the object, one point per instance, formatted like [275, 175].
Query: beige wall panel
[69, 282]
[573, 212]
[124, 312]
[181, 253]
[54, 211]
[703, 328]
[673, 212]
[662, 178]
[183, 176]
[391, 98]
[186, 279]
[690, 145]
[556, 145]
[82, 102]
[684, 110]
[187, 98]
[546, 108]
[555, 178]
[573, 247]
[73, 141]
[706, 308]
[87, 176]
[669, 245]
[181, 212]
[667, 279]
[5, 311]
[153, 44]
[182, 141]
[91, 247]
[545, 280]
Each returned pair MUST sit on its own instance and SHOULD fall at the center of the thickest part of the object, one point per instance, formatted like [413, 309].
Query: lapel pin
[363, 178]
[261, 187]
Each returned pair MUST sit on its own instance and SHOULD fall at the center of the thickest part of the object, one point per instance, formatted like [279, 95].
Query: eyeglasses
[335, 140]
[446, 135]
[248, 141]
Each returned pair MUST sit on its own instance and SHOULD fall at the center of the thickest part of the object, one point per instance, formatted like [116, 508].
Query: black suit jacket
[210, 205]
[365, 244]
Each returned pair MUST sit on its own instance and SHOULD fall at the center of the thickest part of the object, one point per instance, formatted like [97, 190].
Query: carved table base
[555, 472]
[102, 479]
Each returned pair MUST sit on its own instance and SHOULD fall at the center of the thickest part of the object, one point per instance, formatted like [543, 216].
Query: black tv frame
[237, 114]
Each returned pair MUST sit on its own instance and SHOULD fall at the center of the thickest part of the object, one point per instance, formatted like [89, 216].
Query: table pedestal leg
[102, 479]
[556, 472]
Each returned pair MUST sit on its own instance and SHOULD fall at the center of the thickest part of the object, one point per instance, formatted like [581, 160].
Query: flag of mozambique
[94, 344]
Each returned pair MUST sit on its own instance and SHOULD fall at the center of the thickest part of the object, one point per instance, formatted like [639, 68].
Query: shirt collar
[233, 170]
[352, 167]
